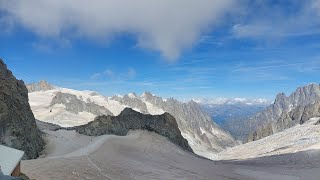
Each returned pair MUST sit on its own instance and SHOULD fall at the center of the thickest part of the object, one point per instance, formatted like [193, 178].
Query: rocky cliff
[40, 86]
[287, 112]
[18, 128]
[129, 119]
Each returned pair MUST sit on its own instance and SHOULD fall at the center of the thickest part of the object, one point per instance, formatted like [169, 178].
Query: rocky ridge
[287, 112]
[18, 127]
[129, 119]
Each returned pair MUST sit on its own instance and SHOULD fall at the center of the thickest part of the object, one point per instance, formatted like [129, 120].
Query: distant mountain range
[232, 101]
[232, 117]
[231, 114]
[67, 108]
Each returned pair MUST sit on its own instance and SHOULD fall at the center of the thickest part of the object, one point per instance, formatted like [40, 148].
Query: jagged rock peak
[132, 95]
[146, 94]
[193, 103]
[127, 111]
[281, 96]
[40, 86]
[18, 125]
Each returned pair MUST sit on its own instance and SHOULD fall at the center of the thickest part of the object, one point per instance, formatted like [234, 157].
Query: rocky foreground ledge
[129, 119]
[18, 127]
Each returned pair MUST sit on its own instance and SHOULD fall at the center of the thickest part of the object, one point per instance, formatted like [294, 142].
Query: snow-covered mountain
[67, 107]
[286, 112]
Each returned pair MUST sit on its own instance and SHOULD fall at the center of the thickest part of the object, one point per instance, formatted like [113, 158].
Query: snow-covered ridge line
[203, 135]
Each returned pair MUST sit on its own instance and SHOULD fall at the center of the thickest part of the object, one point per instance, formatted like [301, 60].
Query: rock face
[75, 105]
[129, 119]
[18, 127]
[39, 86]
[286, 112]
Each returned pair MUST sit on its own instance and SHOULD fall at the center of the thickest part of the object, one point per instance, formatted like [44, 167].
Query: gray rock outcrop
[75, 105]
[18, 127]
[129, 119]
[40, 86]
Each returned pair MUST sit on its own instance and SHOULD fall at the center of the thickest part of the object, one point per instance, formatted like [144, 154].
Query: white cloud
[166, 26]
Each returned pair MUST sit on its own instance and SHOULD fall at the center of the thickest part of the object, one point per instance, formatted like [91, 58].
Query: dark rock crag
[18, 127]
[129, 119]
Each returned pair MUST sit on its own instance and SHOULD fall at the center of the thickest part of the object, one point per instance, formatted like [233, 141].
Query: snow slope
[40, 105]
[145, 155]
[296, 139]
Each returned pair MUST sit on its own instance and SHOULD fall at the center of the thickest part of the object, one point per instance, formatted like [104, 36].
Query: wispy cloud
[270, 20]
[299, 66]
[109, 74]
[274, 70]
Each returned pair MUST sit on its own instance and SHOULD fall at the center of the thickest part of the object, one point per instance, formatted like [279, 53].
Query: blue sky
[251, 49]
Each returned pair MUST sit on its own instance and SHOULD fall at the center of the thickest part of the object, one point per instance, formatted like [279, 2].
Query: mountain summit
[40, 86]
